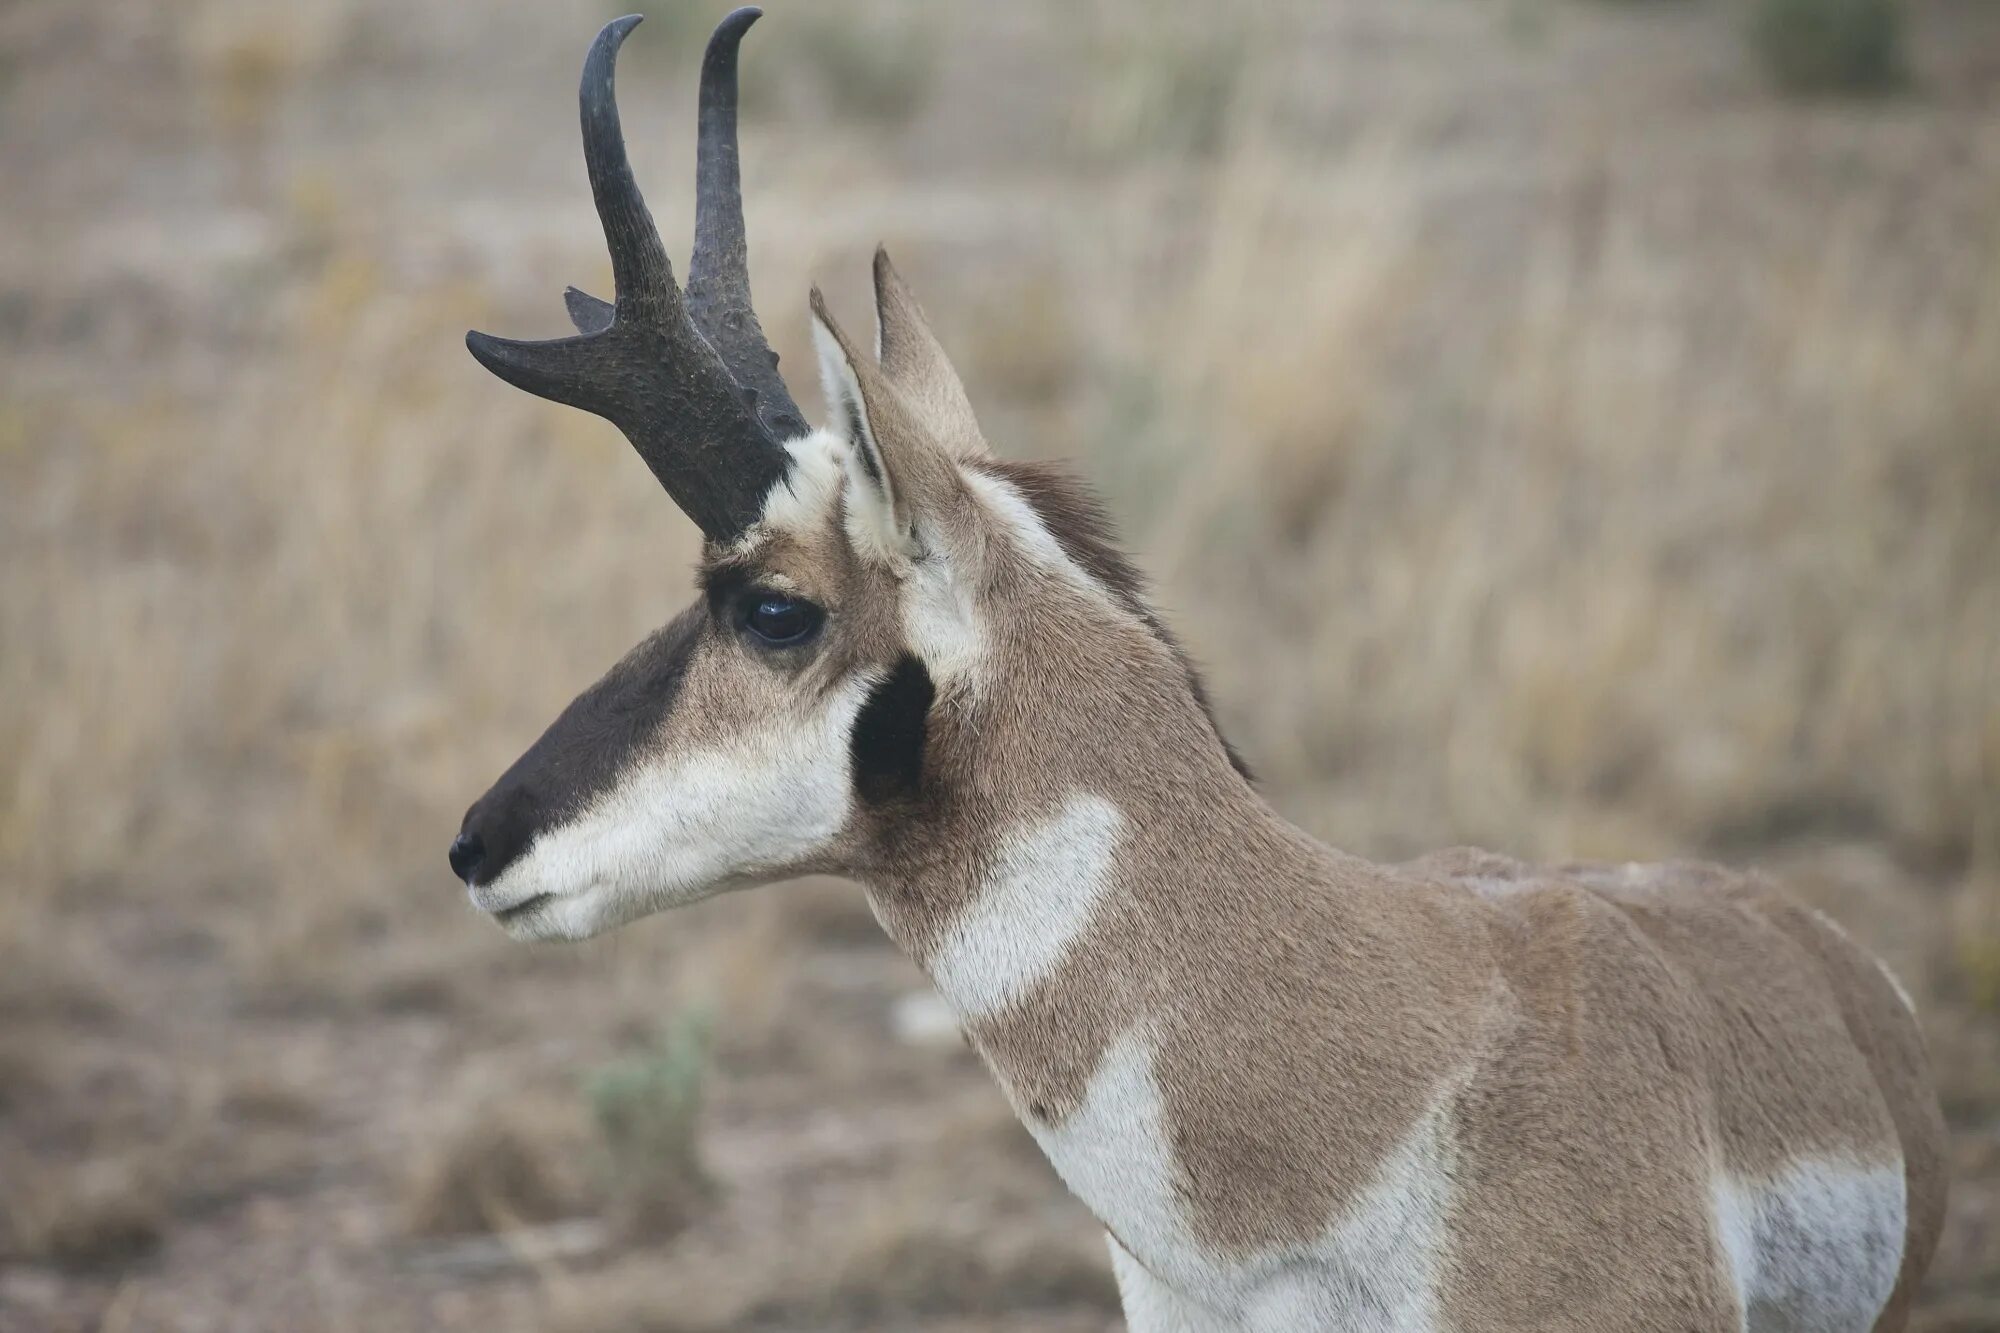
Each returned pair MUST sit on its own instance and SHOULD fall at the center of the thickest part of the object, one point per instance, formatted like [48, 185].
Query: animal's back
[1746, 1084]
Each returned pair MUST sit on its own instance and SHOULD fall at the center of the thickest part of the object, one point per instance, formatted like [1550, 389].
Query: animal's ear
[916, 364]
[896, 470]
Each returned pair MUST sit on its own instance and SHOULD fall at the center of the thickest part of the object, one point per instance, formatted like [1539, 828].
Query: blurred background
[1562, 425]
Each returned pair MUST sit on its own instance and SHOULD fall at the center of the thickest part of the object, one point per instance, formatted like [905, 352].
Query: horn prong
[555, 368]
[589, 314]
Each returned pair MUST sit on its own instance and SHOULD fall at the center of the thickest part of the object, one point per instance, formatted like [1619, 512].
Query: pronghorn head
[897, 634]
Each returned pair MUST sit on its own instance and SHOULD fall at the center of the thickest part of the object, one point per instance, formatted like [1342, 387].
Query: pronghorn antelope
[1300, 1090]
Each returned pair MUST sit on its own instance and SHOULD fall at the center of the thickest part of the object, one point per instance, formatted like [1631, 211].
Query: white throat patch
[1037, 897]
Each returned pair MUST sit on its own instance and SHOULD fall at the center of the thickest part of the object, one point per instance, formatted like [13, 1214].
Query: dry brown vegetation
[1550, 438]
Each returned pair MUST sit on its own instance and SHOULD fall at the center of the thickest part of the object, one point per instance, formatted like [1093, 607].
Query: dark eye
[780, 620]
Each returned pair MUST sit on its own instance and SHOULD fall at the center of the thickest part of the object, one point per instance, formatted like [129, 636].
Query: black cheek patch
[888, 742]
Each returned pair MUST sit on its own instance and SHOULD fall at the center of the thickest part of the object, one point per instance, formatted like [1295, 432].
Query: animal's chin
[595, 908]
[548, 916]
[523, 911]
[566, 916]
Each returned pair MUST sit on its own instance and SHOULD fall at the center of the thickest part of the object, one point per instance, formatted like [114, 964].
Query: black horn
[718, 286]
[589, 314]
[642, 363]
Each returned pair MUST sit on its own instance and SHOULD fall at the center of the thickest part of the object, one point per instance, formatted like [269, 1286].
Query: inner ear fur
[899, 459]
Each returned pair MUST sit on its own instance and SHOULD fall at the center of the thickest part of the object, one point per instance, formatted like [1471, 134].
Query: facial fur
[707, 760]
[703, 761]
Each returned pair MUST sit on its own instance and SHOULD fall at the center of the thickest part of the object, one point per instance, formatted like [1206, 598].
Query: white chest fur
[1373, 1269]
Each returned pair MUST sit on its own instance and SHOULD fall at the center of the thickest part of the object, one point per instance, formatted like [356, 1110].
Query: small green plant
[1829, 46]
[1979, 961]
[648, 1111]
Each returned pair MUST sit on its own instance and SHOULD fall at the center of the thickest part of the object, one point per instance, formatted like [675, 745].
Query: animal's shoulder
[1653, 931]
[1736, 982]
[1660, 898]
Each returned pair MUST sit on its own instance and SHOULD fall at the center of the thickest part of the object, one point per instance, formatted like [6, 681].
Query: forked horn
[647, 368]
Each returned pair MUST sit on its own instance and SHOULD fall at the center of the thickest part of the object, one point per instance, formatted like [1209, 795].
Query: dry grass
[99, 1214]
[498, 1165]
[1549, 438]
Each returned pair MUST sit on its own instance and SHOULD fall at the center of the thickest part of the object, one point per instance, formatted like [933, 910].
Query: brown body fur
[1600, 1045]
[1587, 1020]
[1609, 1037]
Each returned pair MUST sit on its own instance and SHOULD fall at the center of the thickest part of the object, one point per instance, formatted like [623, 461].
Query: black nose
[467, 851]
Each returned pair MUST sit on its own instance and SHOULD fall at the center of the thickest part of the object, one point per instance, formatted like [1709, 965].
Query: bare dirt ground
[1550, 438]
